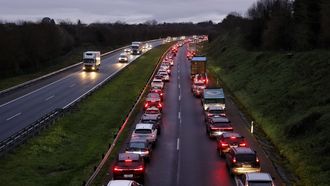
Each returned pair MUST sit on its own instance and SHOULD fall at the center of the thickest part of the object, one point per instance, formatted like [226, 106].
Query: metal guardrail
[121, 129]
[21, 136]
[59, 71]
[28, 131]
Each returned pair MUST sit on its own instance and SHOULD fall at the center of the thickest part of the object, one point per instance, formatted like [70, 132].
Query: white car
[255, 178]
[123, 58]
[157, 83]
[145, 131]
[165, 76]
[123, 183]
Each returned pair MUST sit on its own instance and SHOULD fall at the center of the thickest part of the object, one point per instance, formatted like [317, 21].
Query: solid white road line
[177, 143]
[13, 116]
[50, 97]
[72, 85]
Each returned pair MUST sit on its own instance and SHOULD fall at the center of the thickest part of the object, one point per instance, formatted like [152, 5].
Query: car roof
[143, 126]
[159, 80]
[123, 54]
[260, 176]
[199, 59]
[153, 108]
[219, 119]
[243, 150]
[150, 117]
[120, 183]
[125, 156]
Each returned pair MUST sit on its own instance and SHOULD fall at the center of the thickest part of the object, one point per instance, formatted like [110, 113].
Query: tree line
[283, 24]
[31, 46]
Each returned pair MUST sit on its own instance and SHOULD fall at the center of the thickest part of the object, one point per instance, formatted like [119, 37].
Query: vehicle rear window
[153, 95]
[216, 111]
[245, 157]
[222, 124]
[260, 183]
[137, 145]
[152, 112]
[143, 131]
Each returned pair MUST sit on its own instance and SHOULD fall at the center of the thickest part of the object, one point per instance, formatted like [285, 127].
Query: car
[128, 51]
[123, 183]
[255, 179]
[153, 100]
[228, 140]
[240, 160]
[145, 131]
[214, 111]
[157, 90]
[141, 147]
[197, 88]
[128, 166]
[153, 116]
[215, 126]
[165, 76]
[157, 83]
[123, 58]
[200, 78]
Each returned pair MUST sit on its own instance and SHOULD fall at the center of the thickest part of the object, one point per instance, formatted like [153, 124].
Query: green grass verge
[287, 94]
[66, 153]
[71, 58]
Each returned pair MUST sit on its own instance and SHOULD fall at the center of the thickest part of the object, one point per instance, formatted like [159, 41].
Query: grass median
[66, 153]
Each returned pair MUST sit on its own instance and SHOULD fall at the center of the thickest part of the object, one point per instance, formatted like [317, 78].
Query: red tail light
[234, 160]
[160, 105]
[210, 115]
[161, 94]
[117, 169]
[257, 160]
[223, 144]
[146, 105]
[140, 168]
[233, 137]
[242, 145]
[128, 160]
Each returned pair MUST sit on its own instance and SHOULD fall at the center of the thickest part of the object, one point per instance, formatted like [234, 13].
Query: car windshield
[260, 183]
[245, 157]
[138, 145]
[143, 131]
[153, 95]
[88, 60]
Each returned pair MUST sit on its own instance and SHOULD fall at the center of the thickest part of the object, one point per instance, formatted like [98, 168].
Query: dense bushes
[29, 46]
[284, 24]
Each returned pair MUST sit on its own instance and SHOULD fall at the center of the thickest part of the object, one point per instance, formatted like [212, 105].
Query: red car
[228, 140]
[129, 166]
[153, 100]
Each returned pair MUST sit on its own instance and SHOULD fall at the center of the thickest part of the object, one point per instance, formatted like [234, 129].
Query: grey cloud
[131, 11]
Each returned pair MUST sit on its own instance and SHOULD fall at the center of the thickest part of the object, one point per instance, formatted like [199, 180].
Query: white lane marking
[179, 97]
[179, 115]
[35, 91]
[50, 97]
[179, 86]
[13, 116]
[178, 77]
[72, 85]
[177, 143]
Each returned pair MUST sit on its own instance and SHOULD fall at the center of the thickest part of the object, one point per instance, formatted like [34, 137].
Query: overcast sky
[129, 11]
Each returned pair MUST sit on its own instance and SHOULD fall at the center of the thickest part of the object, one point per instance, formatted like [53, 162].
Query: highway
[184, 155]
[24, 106]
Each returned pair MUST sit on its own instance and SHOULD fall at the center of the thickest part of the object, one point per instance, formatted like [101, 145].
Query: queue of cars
[129, 167]
[241, 160]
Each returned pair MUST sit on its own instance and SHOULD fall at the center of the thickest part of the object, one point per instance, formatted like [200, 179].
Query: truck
[198, 66]
[192, 49]
[137, 47]
[91, 60]
[213, 97]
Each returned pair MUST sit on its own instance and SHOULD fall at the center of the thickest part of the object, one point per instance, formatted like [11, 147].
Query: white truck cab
[91, 60]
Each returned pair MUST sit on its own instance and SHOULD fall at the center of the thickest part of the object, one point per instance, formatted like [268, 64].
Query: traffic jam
[242, 161]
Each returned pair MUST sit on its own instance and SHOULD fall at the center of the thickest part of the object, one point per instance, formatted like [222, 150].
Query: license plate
[247, 166]
[128, 175]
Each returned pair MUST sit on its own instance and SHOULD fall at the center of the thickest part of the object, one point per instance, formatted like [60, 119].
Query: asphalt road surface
[26, 105]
